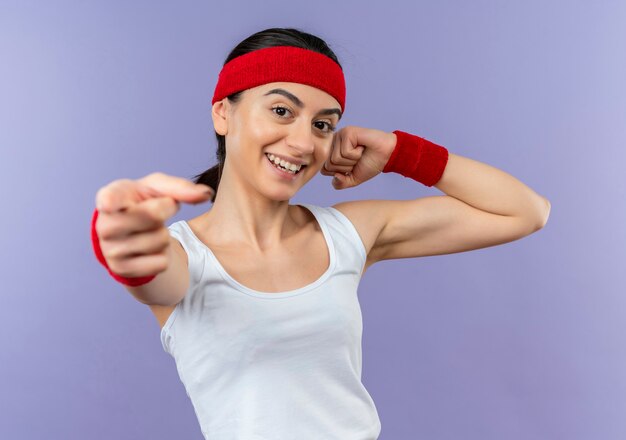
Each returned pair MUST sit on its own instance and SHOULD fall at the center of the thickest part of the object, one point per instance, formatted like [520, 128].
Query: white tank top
[274, 366]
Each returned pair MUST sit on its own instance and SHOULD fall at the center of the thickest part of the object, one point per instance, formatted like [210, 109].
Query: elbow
[543, 218]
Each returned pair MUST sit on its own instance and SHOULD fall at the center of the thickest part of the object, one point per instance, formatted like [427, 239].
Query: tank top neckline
[275, 295]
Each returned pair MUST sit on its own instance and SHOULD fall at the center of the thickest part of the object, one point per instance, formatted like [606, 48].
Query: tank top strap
[196, 256]
[351, 253]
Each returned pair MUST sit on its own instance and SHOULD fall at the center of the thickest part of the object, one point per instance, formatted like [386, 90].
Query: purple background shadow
[519, 341]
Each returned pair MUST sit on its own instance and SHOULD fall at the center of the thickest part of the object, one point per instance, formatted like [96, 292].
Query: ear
[219, 113]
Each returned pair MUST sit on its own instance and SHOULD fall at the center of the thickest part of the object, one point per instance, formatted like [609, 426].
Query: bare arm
[169, 286]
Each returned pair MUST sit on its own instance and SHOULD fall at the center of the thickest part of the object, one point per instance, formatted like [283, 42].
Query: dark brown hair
[260, 40]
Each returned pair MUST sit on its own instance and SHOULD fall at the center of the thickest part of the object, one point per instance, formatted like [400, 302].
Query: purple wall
[519, 341]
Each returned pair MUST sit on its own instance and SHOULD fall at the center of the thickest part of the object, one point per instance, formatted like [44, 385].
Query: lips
[283, 174]
[281, 168]
[287, 159]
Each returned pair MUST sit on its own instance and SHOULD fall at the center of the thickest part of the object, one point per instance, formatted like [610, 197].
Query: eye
[330, 129]
[280, 109]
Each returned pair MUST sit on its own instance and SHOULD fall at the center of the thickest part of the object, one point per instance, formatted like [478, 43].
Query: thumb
[178, 188]
[339, 181]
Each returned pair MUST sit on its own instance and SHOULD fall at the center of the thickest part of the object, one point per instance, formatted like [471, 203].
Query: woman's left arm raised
[483, 206]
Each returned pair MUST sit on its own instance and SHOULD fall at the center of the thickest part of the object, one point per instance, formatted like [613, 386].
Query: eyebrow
[300, 104]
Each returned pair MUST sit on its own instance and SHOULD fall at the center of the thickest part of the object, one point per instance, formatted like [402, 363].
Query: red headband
[281, 63]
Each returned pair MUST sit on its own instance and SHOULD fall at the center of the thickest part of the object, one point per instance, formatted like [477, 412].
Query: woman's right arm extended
[133, 242]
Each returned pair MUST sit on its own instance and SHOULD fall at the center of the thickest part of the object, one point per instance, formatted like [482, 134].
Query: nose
[301, 137]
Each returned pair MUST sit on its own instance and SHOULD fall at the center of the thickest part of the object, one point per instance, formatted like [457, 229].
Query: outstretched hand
[357, 155]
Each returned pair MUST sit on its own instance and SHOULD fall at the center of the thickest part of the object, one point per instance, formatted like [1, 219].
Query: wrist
[417, 158]
[391, 144]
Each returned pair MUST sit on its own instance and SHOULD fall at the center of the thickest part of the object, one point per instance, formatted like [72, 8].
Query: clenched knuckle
[119, 267]
[103, 228]
[114, 252]
[153, 211]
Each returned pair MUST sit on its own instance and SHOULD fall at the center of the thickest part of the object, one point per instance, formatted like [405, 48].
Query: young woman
[257, 298]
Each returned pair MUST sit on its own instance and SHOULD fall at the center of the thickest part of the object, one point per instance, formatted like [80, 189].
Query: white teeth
[283, 163]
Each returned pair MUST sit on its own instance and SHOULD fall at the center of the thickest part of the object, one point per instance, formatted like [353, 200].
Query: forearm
[491, 189]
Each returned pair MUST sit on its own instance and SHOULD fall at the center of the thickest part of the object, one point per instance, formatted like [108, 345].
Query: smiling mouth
[284, 169]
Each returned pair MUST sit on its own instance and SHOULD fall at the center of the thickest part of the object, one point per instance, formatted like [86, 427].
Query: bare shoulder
[368, 218]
